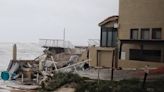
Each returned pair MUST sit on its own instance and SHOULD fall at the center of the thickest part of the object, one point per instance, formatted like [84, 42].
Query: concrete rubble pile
[41, 69]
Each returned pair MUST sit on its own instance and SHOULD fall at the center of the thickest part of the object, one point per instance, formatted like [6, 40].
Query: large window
[145, 34]
[156, 33]
[145, 55]
[134, 34]
[109, 43]
[108, 37]
[103, 38]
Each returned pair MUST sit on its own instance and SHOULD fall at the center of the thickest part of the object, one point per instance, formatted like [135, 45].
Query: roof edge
[109, 19]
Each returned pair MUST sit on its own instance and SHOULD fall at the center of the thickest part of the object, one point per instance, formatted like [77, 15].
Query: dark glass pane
[104, 38]
[109, 38]
[134, 34]
[145, 34]
[145, 55]
[156, 33]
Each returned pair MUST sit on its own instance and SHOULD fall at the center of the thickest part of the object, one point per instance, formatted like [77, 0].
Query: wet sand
[59, 90]
[23, 91]
[65, 90]
[6, 90]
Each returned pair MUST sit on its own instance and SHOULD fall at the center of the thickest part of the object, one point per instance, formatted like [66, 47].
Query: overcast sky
[30, 20]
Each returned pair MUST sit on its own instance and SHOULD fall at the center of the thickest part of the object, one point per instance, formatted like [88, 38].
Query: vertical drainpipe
[14, 52]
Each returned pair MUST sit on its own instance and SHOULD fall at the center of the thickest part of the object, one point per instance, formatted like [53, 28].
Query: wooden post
[22, 78]
[116, 58]
[145, 76]
[14, 52]
[98, 68]
[37, 78]
[52, 58]
[98, 78]
[120, 50]
[144, 81]
[112, 70]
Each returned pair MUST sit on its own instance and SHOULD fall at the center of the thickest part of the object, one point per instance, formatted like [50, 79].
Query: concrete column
[14, 52]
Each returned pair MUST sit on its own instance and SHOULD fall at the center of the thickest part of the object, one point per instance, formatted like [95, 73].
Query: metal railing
[92, 42]
[55, 43]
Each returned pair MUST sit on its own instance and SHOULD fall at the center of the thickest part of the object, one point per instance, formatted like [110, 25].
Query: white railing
[92, 42]
[74, 66]
[55, 43]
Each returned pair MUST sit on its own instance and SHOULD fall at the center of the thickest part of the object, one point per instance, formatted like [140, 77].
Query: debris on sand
[32, 73]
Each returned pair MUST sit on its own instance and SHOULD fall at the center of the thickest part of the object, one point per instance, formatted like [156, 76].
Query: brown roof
[109, 19]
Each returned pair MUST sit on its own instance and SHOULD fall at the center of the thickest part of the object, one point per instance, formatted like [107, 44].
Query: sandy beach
[4, 90]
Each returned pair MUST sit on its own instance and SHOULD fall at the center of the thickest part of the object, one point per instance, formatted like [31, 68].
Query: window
[103, 38]
[134, 34]
[156, 33]
[108, 37]
[145, 34]
[145, 55]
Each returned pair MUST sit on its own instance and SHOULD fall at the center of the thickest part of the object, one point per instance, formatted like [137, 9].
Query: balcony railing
[55, 43]
[92, 42]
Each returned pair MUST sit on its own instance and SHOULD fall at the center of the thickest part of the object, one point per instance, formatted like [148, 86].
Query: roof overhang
[109, 19]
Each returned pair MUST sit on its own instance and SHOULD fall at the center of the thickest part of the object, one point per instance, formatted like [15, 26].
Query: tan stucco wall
[93, 56]
[137, 64]
[105, 56]
[140, 14]
[126, 48]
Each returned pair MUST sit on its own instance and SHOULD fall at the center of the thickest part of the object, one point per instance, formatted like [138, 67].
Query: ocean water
[26, 51]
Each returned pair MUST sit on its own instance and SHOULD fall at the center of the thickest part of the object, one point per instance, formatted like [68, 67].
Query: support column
[116, 58]
[120, 50]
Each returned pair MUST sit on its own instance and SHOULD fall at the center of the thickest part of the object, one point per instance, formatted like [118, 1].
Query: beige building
[104, 56]
[138, 32]
[141, 30]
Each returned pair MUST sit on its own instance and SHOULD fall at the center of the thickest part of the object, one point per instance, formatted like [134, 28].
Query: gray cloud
[29, 20]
